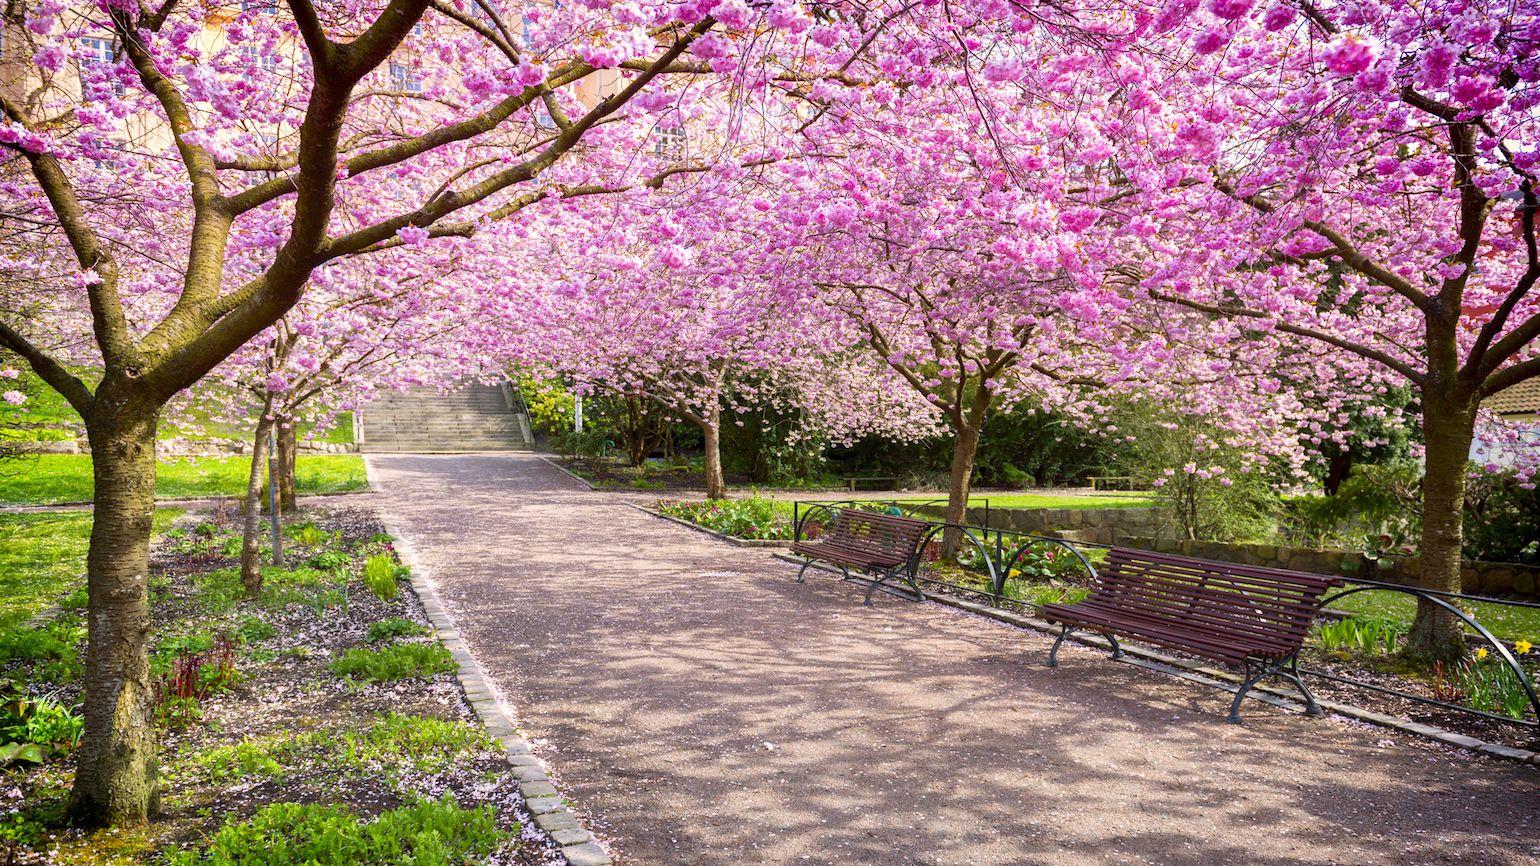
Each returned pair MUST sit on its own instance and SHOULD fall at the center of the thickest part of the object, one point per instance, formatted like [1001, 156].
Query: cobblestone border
[736, 542]
[541, 797]
[1222, 679]
[565, 471]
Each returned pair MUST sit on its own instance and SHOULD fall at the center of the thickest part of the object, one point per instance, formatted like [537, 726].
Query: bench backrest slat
[889, 537]
[1271, 606]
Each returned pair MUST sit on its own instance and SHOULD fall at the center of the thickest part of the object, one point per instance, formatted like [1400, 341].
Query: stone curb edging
[567, 472]
[1215, 677]
[736, 542]
[552, 816]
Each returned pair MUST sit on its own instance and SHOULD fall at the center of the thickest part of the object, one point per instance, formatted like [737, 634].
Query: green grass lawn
[1051, 500]
[54, 478]
[42, 557]
[1506, 622]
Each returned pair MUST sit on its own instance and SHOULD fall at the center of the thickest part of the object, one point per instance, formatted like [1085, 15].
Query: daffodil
[1523, 646]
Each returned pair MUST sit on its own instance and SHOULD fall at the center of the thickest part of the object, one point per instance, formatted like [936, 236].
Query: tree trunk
[1338, 467]
[711, 432]
[965, 445]
[251, 538]
[116, 774]
[1448, 424]
[288, 453]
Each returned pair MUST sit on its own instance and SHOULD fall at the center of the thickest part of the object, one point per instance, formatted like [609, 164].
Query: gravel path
[706, 709]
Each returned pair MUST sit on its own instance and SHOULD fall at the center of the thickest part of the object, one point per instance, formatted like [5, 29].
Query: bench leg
[1117, 651]
[1053, 654]
[1250, 680]
[1312, 709]
[919, 594]
[871, 587]
[803, 570]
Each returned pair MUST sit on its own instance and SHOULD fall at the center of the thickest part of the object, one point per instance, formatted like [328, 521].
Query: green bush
[1502, 519]
[395, 662]
[1209, 487]
[380, 575]
[393, 627]
[253, 630]
[429, 833]
[753, 517]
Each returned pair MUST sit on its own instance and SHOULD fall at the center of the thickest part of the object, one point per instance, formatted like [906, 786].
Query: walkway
[706, 709]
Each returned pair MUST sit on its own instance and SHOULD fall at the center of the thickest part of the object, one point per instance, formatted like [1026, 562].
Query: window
[403, 80]
[668, 141]
[254, 56]
[98, 53]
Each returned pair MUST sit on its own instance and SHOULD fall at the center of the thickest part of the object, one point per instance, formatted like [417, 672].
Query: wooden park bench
[870, 482]
[1112, 482]
[1242, 616]
[882, 545]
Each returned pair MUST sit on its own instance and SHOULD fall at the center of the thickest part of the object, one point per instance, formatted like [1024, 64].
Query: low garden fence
[1355, 638]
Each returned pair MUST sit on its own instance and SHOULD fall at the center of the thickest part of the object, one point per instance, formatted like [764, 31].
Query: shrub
[395, 662]
[1502, 519]
[191, 675]
[1484, 682]
[393, 627]
[1037, 596]
[380, 575]
[753, 517]
[291, 834]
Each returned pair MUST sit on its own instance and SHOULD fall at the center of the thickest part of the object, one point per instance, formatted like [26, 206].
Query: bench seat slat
[1216, 610]
[1202, 633]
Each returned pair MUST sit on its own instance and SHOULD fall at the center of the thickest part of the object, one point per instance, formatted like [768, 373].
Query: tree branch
[1369, 352]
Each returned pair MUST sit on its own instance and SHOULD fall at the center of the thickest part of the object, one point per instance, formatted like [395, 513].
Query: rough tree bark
[251, 516]
[288, 454]
[116, 775]
[711, 433]
[1448, 424]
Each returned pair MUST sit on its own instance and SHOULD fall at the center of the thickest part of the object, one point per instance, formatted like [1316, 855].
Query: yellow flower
[1481, 653]
[1523, 646]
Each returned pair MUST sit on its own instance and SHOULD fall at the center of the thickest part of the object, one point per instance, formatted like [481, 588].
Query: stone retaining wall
[1480, 578]
[1148, 529]
[1099, 525]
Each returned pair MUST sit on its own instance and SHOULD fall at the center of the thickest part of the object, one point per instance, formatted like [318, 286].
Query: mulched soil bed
[286, 702]
[610, 475]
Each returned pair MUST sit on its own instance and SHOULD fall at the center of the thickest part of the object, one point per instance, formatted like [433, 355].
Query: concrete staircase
[473, 418]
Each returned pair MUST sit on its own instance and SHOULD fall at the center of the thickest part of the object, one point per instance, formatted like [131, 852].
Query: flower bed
[312, 724]
[754, 518]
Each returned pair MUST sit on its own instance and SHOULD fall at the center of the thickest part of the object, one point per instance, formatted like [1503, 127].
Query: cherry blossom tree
[187, 168]
[651, 294]
[1361, 175]
[357, 330]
